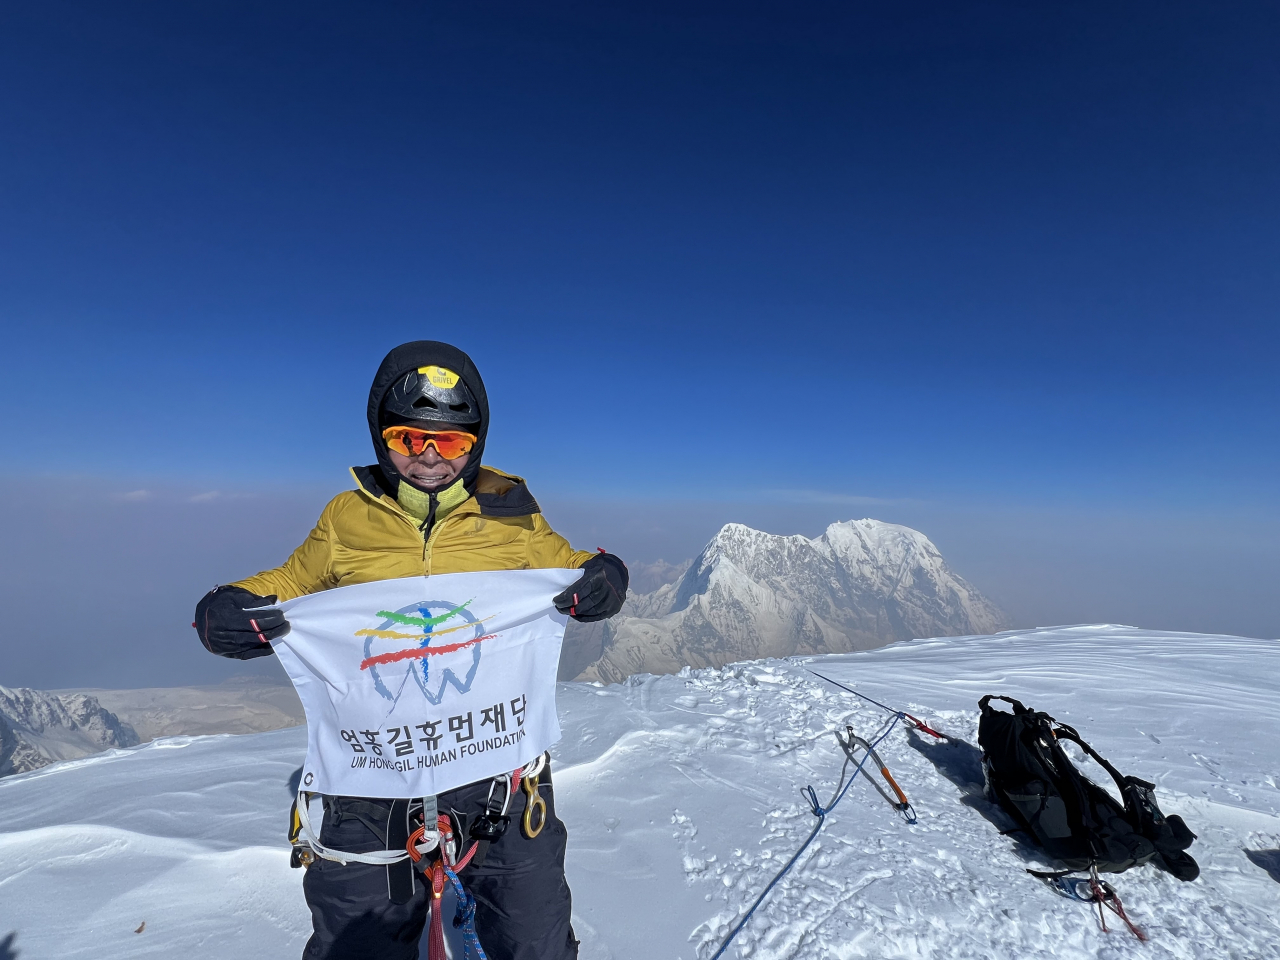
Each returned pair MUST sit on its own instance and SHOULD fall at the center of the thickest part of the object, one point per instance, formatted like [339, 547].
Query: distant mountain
[748, 594]
[238, 705]
[38, 728]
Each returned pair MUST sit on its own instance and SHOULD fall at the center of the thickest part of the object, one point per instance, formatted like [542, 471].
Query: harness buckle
[489, 827]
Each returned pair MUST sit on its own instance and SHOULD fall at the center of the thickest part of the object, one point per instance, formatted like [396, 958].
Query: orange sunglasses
[412, 441]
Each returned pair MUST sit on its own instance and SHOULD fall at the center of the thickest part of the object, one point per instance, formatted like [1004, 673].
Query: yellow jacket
[365, 535]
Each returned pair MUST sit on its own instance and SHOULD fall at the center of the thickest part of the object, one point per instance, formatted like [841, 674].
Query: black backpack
[1077, 822]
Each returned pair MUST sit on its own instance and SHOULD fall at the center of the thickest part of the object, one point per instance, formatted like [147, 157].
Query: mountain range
[749, 594]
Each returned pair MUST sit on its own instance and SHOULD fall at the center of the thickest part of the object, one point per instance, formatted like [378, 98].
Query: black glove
[600, 592]
[229, 627]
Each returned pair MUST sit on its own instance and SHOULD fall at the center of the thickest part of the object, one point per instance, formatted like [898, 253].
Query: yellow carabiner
[533, 803]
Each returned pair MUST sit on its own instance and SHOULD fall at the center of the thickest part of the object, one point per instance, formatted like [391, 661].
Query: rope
[920, 724]
[820, 813]
[1106, 897]
[465, 917]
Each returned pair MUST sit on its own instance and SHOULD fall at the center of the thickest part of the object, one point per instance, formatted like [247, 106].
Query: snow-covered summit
[749, 594]
[681, 794]
[38, 728]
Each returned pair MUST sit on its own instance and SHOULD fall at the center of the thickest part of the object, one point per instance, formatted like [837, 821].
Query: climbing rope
[919, 724]
[820, 812]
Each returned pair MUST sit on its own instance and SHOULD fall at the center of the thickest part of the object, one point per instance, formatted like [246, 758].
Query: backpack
[1073, 819]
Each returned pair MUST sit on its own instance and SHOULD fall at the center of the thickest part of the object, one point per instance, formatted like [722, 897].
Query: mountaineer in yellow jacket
[427, 506]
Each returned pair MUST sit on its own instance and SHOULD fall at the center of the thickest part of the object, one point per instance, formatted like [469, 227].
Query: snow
[681, 794]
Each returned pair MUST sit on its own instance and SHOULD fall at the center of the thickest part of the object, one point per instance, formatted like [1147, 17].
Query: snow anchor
[901, 804]
[820, 812]
[1090, 889]
[900, 714]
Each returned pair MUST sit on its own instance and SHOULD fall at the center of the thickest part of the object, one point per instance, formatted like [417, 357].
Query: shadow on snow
[1268, 860]
[961, 763]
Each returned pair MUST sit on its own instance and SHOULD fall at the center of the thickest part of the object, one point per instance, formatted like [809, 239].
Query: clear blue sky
[1015, 264]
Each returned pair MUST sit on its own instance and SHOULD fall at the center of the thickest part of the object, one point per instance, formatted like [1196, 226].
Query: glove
[599, 593]
[230, 627]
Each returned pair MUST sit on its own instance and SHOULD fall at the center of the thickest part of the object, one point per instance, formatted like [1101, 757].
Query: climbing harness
[820, 812]
[1090, 889]
[902, 715]
[300, 854]
[446, 836]
[851, 741]
[306, 837]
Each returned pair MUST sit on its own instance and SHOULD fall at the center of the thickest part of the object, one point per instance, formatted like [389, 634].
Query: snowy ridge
[681, 795]
[862, 584]
[38, 728]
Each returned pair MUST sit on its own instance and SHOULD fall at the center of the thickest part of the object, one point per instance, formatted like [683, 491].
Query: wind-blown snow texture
[682, 798]
[750, 594]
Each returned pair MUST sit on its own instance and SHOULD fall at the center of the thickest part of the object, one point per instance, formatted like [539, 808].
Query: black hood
[410, 356]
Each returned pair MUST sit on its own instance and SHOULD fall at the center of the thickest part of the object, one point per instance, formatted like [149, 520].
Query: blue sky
[983, 268]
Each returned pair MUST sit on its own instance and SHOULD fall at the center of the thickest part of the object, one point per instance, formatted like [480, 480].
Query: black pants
[522, 898]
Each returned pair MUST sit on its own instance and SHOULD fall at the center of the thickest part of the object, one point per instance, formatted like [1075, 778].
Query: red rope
[435, 941]
[1118, 908]
[1111, 900]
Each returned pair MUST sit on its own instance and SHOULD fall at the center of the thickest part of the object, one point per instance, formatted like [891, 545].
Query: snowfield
[682, 798]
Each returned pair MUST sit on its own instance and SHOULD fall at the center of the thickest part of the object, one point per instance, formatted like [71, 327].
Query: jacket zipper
[426, 528]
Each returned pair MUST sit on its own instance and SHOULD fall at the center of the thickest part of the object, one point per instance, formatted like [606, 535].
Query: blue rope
[818, 811]
[465, 917]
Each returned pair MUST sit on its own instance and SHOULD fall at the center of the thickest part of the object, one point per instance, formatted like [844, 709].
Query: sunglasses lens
[401, 441]
[453, 445]
[410, 441]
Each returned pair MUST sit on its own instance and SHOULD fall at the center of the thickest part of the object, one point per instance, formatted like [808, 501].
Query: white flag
[416, 686]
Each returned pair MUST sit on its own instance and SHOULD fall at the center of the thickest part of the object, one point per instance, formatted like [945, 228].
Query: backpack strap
[985, 704]
[1065, 732]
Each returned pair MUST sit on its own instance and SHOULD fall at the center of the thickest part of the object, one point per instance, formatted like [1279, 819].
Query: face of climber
[430, 470]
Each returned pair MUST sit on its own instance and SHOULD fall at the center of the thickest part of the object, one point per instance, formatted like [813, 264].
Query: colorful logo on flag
[433, 645]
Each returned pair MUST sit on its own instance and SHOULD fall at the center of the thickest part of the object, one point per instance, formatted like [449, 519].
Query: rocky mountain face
[38, 728]
[749, 594]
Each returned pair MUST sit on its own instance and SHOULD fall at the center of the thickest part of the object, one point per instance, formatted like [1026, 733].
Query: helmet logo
[440, 377]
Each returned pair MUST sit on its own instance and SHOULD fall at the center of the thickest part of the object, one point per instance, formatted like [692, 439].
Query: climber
[427, 506]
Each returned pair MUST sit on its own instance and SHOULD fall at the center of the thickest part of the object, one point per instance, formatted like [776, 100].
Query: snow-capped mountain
[38, 728]
[681, 795]
[748, 594]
